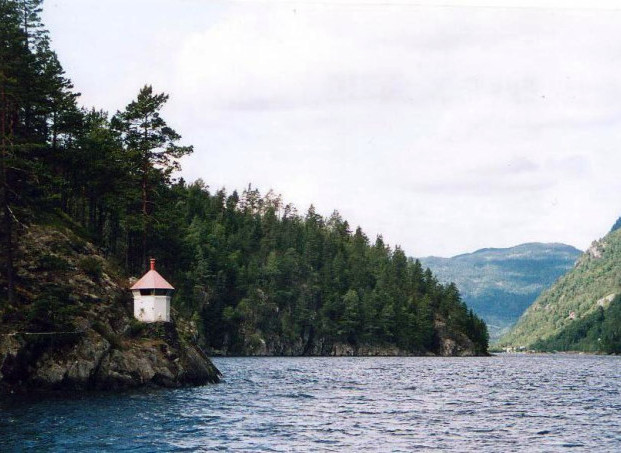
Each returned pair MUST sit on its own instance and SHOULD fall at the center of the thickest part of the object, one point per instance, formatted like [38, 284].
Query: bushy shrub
[49, 262]
[255, 342]
[91, 266]
[136, 328]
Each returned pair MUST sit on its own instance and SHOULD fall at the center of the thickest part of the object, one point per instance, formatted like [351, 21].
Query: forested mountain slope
[266, 280]
[255, 276]
[581, 311]
[500, 283]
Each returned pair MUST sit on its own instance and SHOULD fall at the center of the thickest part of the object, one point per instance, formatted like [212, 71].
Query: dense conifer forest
[248, 268]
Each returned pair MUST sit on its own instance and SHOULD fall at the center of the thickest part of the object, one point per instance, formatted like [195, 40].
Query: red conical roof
[152, 280]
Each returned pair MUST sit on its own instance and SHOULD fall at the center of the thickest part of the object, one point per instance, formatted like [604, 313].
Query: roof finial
[152, 260]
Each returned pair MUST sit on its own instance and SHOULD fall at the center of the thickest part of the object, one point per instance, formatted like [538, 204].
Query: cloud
[446, 129]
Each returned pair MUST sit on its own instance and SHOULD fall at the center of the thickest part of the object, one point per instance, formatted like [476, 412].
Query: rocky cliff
[71, 327]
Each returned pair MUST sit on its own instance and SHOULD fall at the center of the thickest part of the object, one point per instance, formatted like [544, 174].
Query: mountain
[616, 225]
[500, 283]
[582, 310]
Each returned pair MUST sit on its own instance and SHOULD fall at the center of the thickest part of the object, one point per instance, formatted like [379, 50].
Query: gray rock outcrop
[73, 330]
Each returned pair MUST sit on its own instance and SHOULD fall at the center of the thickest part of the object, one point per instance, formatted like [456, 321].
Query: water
[504, 403]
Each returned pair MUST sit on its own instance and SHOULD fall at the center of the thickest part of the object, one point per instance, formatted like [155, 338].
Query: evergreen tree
[11, 54]
[248, 268]
[151, 147]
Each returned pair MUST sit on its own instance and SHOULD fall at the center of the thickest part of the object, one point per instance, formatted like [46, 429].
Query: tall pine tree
[152, 148]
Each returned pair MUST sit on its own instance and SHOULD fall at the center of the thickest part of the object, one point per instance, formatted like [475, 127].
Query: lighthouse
[152, 295]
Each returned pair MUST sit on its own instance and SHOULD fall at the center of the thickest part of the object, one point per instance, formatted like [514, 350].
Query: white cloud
[445, 128]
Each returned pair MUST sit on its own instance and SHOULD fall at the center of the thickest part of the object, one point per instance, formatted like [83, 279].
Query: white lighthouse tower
[152, 297]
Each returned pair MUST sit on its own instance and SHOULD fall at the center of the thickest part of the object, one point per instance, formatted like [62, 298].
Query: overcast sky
[444, 128]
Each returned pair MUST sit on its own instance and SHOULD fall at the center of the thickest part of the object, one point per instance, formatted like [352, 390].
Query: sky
[444, 126]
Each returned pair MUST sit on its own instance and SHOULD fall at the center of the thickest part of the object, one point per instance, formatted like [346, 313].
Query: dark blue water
[504, 403]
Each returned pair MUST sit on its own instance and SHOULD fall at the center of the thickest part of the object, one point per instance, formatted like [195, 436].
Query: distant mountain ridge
[500, 283]
[582, 310]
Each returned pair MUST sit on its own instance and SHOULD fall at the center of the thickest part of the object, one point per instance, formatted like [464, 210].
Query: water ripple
[504, 403]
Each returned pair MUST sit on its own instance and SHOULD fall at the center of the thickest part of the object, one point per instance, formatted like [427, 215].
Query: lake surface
[503, 403]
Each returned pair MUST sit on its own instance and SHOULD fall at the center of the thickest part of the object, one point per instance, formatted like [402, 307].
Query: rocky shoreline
[90, 361]
[72, 328]
[448, 345]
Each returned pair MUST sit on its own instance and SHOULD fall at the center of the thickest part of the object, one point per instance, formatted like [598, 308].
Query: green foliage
[616, 225]
[499, 284]
[51, 311]
[91, 266]
[258, 270]
[150, 148]
[136, 328]
[49, 262]
[248, 267]
[570, 314]
[599, 331]
[254, 343]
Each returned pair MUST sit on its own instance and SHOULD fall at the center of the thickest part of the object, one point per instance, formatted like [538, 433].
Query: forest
[599, 331]
[249, 269]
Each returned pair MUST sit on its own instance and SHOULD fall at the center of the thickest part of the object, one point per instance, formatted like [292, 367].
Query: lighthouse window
[153, 292]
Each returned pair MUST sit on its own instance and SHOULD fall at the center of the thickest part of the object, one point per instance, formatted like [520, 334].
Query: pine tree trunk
[10, 274]
[145, 218]
[145, 193]
[8, 220]
[54, 135]
[92, 215]
[127, 249]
